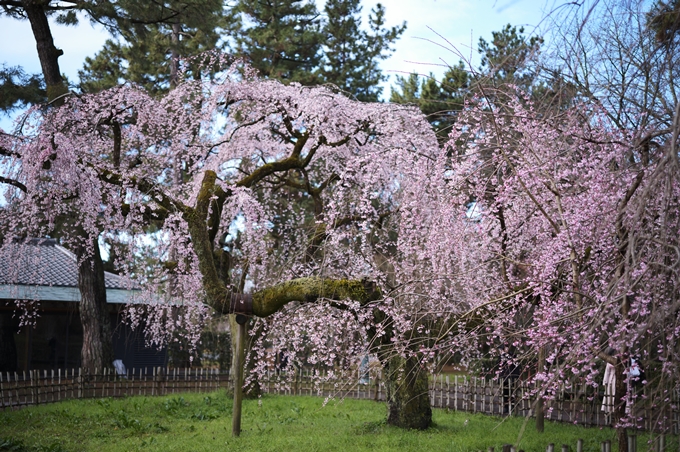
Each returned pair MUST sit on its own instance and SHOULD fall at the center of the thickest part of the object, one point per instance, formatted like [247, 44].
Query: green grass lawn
[202, 422]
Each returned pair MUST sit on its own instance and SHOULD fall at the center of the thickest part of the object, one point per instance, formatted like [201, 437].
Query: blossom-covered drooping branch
[568, 216]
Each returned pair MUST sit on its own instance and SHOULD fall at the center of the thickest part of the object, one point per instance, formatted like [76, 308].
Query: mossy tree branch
[309, 290]
[270, 300]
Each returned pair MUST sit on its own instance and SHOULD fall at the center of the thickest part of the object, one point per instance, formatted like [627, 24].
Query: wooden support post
[579, 445]
[238, 376]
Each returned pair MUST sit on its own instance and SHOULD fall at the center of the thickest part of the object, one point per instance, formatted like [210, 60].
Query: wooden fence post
[483, 394]
[455, 393]
[431, 388]
[660, 443]
[9, 389]
[33, 385]
[448, 393]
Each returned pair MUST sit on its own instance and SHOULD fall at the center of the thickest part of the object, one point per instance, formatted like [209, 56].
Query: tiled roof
[42, 262]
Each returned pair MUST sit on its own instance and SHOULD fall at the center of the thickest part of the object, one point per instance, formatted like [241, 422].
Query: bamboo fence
[574, 403]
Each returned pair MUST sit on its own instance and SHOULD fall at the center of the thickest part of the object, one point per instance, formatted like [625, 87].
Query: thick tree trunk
[408, 401]
[97, 351]
[8, 348]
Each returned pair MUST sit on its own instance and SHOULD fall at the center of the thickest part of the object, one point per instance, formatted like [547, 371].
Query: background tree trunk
[97, 351]
[47, 52]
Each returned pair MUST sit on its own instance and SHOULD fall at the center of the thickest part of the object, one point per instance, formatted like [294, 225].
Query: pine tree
[505, 60]
[351, 55]
[19, 89]
[115, 16]
[148, 54]
[438, 100]
[283, 39]
[664, 20]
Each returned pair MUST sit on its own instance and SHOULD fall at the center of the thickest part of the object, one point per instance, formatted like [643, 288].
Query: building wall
[56, 339]
[130, 346]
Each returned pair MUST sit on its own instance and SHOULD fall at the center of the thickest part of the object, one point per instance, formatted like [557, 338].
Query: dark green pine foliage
[281, 39]
[352, 55]
[438, 100]
[122, 17]
[19, 89]
[148, 54]
[104, 70]
[507, 58]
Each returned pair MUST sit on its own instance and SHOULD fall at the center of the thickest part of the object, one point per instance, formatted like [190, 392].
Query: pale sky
[460, 22]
